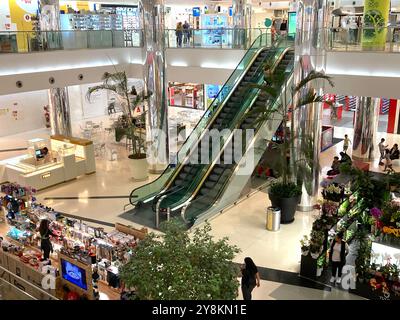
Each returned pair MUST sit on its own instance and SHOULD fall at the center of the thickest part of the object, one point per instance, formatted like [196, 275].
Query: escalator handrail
[236, 168]
[180, 203]
[209, 122]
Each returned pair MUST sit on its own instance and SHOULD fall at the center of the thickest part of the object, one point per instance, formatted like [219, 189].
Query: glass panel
[26, 41]
[345, 39]
[223, 38]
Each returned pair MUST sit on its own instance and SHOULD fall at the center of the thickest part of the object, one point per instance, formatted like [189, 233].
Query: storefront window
[188, 95]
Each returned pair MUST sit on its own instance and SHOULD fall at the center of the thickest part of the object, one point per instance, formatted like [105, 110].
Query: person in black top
[45, 233]
[250, 278]
[344, 157]
[394, 152]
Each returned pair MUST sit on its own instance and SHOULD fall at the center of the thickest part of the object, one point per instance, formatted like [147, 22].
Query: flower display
[376, 213]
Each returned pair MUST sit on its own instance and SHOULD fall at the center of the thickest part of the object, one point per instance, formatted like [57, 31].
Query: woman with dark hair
[45, 233]
[250, 278]
[337, 257]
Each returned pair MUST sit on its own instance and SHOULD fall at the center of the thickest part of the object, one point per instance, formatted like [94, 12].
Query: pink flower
[376, 213]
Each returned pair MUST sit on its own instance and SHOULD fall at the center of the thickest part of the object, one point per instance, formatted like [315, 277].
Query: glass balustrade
[31, 41]
[336, 39]
[219, 38]
[343, 39]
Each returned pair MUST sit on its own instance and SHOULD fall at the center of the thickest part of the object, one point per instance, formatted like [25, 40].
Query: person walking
[337, 257]
[179, 34]
[382, 147]
[346, 143]
[250, 278]
[186, 33]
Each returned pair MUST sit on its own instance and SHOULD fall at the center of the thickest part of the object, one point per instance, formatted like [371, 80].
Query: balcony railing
[222, 38]
[340, 39]
[30, 41]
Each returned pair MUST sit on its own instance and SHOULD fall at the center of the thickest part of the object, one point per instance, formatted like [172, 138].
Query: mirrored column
[310, 55]
[241, 11]
[155, 83]
[60, 113]
[366, 120]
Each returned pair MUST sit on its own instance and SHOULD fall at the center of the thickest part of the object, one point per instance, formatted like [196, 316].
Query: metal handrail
[28, 283]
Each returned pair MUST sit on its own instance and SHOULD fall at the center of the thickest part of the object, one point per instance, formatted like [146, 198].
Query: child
[346, 143]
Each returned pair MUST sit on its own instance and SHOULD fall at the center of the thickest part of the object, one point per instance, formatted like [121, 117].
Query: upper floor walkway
[355, 70]
[338, 39]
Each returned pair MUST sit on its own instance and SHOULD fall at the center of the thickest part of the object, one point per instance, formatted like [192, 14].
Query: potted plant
[305, 246]
[286, 194]
[132, 128]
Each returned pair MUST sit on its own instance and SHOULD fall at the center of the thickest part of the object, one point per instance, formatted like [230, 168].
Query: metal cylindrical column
[310, 54]
[365, 128]
[155, 83]
[241, 11]
[49, 15]
[60, 114]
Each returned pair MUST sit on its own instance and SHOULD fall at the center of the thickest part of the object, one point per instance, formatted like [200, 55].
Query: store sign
[376, 18]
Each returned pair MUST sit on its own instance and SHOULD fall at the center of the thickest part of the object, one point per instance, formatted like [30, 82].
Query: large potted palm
[286, 193]
[133, 128]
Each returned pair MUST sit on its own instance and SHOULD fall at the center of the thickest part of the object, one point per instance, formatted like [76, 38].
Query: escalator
[212, 187]
[198, 157]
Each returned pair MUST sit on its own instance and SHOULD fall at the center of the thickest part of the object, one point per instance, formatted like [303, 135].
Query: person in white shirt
[346, 143]
[337, 257]
[382, 149]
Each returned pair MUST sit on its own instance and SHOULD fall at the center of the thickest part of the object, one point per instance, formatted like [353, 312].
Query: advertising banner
[376, 17]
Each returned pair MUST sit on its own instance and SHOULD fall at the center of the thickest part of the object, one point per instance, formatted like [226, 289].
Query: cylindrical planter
[288, 207]
[139, 169]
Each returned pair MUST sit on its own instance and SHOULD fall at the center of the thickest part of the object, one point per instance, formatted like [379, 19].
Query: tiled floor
[244, 224]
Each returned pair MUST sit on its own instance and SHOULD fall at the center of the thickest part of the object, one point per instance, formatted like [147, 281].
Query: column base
[157, 168]
[363, 159]
[305, 208]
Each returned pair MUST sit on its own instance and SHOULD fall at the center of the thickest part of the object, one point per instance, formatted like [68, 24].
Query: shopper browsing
[250, 278]
[45, 243]
[346, 143]
[337, 257]
[382, 147]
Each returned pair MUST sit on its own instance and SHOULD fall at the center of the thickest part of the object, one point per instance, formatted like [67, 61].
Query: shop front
[48, 163]
[85, 260]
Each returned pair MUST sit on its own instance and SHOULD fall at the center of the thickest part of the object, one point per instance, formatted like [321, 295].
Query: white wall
[30, 113]
[35, 69]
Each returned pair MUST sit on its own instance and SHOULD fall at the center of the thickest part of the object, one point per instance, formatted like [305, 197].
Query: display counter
[67, 159]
